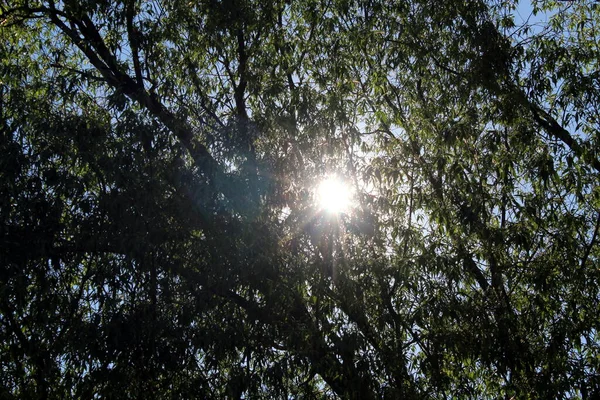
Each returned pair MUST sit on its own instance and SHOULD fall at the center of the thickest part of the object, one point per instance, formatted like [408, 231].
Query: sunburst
[334, 195]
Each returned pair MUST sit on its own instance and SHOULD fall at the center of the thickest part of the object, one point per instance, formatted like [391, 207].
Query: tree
[160, 236]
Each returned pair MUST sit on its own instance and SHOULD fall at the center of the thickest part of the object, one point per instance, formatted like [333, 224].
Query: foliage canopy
[158, 228]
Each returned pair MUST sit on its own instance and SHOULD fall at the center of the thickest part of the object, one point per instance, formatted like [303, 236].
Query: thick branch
[133, 36]
[240, 89]
[557, 131]
[92, 45]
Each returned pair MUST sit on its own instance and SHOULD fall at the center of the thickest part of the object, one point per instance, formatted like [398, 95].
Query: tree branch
[92, 45]
[134, 42]
[555, 129]
[592, 243]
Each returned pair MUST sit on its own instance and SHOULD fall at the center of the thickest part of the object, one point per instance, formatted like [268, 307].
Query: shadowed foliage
[159, 230]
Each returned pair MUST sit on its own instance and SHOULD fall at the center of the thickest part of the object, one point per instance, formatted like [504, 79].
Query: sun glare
[334, 195]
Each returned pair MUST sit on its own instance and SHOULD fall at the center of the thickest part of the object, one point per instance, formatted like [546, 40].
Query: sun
[334, 196]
